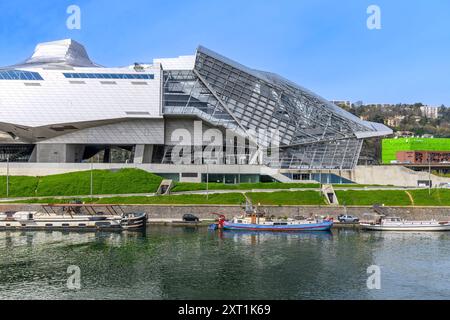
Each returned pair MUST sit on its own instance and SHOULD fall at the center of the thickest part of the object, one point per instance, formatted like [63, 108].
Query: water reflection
[11, 239]
[186, 263]
[257, 237]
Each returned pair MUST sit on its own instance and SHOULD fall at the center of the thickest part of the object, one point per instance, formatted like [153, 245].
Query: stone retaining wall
[204, 212]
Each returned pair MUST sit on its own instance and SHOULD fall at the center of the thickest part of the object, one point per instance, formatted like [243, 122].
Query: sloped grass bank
[79, 183]
[134, 181]
[287, 198]
[19, 186]
[371, 197]
[186, 186]
[217, 199]
[437, 197]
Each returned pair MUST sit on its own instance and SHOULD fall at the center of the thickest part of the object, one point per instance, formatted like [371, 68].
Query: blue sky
[323, 45]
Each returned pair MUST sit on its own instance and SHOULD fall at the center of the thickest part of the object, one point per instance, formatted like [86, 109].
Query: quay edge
[165, 213]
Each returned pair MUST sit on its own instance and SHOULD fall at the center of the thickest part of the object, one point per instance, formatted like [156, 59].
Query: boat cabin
[392, 219]
[19, 215]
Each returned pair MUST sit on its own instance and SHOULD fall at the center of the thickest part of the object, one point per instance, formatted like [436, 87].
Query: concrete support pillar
[51, 153]
[143, 153]
[57, 153]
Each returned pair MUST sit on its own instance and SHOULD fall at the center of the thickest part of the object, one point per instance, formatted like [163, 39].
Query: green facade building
[390, 147]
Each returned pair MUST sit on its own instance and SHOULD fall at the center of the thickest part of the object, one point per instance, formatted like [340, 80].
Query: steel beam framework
[314, 134]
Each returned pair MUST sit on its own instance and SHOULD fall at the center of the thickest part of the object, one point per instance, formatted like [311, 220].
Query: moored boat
[134, 221]
[255, 223]
[77, 217]
[398, 224]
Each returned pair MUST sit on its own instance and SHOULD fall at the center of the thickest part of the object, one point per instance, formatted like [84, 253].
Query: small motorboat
[77, 217]
[257, 223]
[398, 224]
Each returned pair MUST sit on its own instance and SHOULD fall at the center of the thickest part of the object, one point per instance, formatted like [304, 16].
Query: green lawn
[362, 198]
[438, 197]
[185, 186]
[78, 183]
[227, 198]
[287, 198]
[19, 186]
[139, 181]
[115, 182]
[275, 198]
[354, 185]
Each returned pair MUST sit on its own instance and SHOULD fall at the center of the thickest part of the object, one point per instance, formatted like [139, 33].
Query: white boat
[398, 224]
[77, 217]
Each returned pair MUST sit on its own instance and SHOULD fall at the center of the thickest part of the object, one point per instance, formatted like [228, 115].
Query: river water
[194, 263]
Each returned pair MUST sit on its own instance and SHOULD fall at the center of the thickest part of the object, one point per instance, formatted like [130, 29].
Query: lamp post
[429, 173]
[239, 173]
[207, 181]
[92, 178]
[240, 162]
[7, 176]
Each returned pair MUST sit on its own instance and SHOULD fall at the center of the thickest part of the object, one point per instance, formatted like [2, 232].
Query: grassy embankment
[185, 186]
[78, 183]
[220, 199]
[348, 198]
[438, 197]
[263, 198]
[354, 185]
[422, 197]
[287, 198]
[137, 181]
[362, 197]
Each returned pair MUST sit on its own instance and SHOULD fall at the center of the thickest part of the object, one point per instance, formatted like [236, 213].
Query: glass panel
[108, 76]
[19, 75]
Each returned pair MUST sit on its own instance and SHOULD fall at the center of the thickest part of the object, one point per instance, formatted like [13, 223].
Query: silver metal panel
[126, 132]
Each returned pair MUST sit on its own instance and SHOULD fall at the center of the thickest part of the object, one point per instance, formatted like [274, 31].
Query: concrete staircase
[330, 195]
[379, 209]
[165, 187]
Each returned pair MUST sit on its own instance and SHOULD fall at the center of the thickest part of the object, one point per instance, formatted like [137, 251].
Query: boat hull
[134, 222]
[77, 223]
[406, 228]
[320, 226]
[69, 224]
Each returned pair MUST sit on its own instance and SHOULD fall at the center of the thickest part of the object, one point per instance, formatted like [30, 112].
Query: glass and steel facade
[15, 152]
[314, 133]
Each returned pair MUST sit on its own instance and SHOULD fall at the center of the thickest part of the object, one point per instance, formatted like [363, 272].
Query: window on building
[19, 75]
[142, 76]
[189, 174]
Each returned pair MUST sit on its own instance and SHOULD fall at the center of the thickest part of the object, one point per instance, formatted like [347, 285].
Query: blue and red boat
[256, 223]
